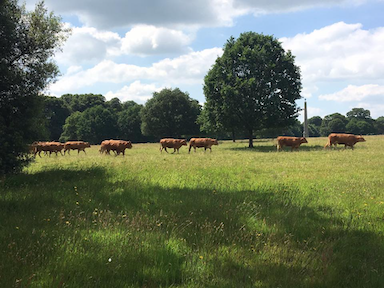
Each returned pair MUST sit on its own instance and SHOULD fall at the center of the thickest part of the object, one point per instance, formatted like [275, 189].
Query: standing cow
[293, 142]
[346, 139]
[76, 145]
[202, 142]
[172, 143]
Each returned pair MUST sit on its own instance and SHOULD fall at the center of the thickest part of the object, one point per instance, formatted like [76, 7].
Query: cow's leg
[189, 151]
[161, 148]
[84, 151]
[210, 148]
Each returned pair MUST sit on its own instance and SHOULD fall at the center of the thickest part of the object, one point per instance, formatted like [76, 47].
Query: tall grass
[231, 218]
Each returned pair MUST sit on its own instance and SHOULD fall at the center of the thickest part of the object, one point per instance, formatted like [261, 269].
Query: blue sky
[129, 49]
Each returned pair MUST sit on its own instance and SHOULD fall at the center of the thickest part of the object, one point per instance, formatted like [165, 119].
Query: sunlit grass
[231, 218]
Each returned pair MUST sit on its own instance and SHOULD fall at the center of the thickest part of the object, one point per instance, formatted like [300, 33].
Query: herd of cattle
[119, 146]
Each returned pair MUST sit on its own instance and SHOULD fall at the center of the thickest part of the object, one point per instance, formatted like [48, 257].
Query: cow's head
[87, 144]
[183, 142]
[303, 140]
[129, 144]
[214, 141]
[360, 139]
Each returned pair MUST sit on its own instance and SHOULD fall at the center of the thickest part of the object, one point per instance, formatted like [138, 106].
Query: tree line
[170, 113]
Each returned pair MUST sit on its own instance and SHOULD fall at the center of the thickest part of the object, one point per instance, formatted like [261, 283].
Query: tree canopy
[170, 113]
[27, 43]
[252, 86]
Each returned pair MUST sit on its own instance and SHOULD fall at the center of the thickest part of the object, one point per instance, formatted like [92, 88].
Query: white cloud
[187, 69]
[144, 40]
[88, 45]
[356, 93]
[339, 51]
[136, 91]
[176, 13]
[281, 6]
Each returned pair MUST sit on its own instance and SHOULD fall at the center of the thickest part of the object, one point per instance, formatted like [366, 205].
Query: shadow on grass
[163, 236]
[272, 148]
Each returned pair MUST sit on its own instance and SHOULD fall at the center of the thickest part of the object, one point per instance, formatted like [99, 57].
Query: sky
[129, 49]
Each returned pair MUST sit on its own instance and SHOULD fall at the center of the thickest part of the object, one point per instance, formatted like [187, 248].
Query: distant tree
[129, 123]
[81, 102]
[359, 113]
[252, 86]
[97, 124]
[358, 126]
[55, 113]
[315, 120]
[333, 123]
[314, 131]
[28, 40]
[379, 125]
[170, 113]
[71, 127]
[114, 105]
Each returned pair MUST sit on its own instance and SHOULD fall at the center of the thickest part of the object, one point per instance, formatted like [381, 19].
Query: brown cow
[117, 146]
[202, 142]
[172, 143]
[293, 142]
[55, 147]
[76, 145]
[46, 147]
[346, 139]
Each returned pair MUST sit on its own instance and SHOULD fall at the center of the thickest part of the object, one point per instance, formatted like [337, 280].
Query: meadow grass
[236, 217]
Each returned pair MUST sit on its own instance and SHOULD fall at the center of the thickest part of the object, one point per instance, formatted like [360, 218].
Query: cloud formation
[357, 93]
[88, 45]
[136, 91]
[187, 69]
[339, 51]
[175, 13]
[146, 40]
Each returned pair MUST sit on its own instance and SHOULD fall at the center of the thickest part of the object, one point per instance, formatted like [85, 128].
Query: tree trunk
[250, 139]
[233, 135]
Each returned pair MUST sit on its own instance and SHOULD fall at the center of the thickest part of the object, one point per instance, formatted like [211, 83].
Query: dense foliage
[100, 120]
[170, 113]
[356, 121]
[252, 86]
[28, 40]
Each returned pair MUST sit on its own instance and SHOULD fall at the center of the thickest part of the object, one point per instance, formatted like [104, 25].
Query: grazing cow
[346, 139]
[202, 142]
[172, 143]
[293, 142]
[76, 145]
[117, 146]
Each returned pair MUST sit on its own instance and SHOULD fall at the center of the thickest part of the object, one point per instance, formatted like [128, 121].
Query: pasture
[231, 218]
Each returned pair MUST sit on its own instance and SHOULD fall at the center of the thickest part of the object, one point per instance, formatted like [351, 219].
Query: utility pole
[306, 133]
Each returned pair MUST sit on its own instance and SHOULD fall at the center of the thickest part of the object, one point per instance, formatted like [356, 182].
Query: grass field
[231, 218]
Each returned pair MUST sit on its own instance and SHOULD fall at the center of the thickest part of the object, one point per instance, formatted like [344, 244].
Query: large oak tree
[252, 86]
